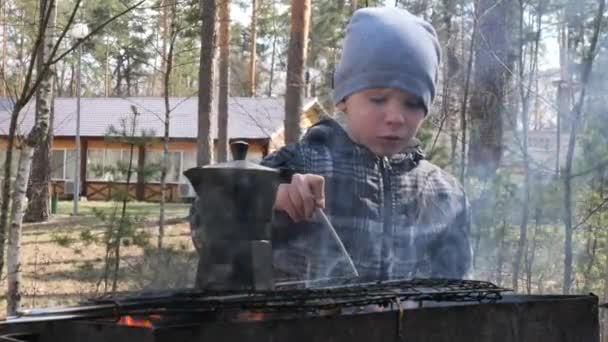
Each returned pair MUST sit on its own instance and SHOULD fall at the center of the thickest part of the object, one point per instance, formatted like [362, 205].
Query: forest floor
[61, 268]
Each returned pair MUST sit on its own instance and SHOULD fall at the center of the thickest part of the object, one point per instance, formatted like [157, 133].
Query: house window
[63, 164]
[188, 163]
[57, 164]
[95, 162]
[154, 160]
[111, 164]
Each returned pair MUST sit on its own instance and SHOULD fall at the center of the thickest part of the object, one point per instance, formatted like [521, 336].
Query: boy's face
[384, 119]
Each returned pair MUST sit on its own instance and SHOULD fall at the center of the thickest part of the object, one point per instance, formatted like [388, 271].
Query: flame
[379, 308]
[134, 322]
[251, 316]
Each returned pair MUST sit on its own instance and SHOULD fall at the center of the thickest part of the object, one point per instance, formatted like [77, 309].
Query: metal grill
[238, 317]
[342, 294]
[346, 293]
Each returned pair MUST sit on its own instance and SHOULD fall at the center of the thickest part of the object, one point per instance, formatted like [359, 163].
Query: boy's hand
[300, 198]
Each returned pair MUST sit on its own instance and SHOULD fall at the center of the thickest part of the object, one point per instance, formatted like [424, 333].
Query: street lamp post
[79, 31]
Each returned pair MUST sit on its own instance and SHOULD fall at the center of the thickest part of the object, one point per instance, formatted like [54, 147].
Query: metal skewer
[323, 218]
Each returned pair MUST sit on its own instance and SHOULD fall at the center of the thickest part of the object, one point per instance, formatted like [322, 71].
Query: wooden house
[259, 121]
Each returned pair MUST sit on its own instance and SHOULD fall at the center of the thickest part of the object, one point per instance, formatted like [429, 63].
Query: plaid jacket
[398, 217]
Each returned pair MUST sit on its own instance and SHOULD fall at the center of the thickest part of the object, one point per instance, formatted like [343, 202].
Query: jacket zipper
[387, 221]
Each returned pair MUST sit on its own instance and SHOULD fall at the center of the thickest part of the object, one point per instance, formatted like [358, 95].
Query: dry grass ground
[60, 269]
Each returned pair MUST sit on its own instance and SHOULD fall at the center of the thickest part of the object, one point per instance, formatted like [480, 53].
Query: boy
[398, 215]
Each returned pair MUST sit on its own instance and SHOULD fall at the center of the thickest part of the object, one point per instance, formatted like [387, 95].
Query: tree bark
[531, 252]
[592, 255]
[206, 80]
[165, 36]
[500, 258]
[448, 72]
[39, 194]
[564, 90]
[577, 120]
[60, 81]
[272, 65]
[6, 183]
[168, 63]
[128, 79]
[31, 82]
[224, 82]
[491, 79]
[524, 93]
[300, 15]
[465, 100]
[107, 81]
[125, 199]
[3, 7]
[71, 84]
[29, 85]
[275, 35]
[36, 136]
[253, 49]
[13, 257]
[604, 313]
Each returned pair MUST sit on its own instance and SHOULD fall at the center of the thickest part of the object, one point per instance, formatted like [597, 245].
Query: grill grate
[340, 294]
[347, 293]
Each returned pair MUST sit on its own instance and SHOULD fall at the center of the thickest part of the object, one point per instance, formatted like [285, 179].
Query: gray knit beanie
[387, 47]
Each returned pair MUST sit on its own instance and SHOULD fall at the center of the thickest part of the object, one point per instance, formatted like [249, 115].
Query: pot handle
[239, 149]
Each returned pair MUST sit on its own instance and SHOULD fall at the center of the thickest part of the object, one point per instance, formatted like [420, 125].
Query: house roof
[249, 118]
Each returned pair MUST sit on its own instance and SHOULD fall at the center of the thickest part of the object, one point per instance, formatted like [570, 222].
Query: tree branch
[29, 91]
[602, 164]
[591, 213]
[23, 99]
[52, 61]
[95, 31]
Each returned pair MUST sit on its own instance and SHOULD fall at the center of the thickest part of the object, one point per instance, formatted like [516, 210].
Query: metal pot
[234, 210]
[235, 198]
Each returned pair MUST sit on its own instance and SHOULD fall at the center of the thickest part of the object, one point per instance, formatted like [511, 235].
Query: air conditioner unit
[68, 187]
[186, 190]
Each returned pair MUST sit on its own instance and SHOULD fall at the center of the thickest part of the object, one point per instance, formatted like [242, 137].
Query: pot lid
[239, 154]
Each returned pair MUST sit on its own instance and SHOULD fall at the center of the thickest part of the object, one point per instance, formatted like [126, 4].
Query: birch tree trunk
[39, 194]
[13, 257]
[36, 137]
[6, 183]
[30, 84]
